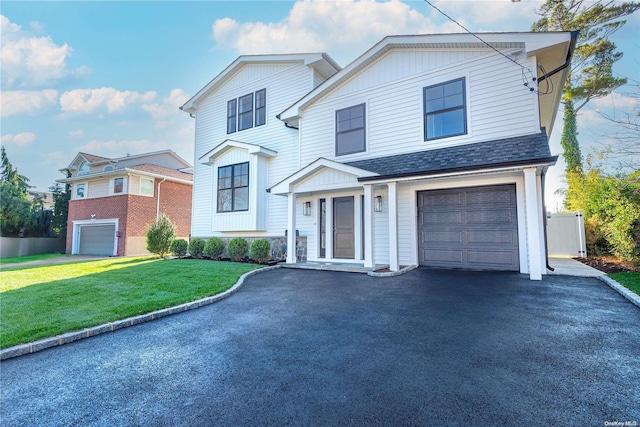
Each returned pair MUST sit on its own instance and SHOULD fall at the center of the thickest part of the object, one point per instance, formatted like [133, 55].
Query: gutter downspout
[158, 201]
[544, 223]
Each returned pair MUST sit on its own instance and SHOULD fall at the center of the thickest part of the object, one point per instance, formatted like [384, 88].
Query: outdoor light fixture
[306, 208]
[377, 204]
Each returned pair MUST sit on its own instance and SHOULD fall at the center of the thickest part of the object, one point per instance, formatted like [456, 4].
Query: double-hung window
[350, 130]
[445, 110]
[146, 186]
[80, 191]
[247, 111]
[118, 185]
[231, 115]
[233, 188]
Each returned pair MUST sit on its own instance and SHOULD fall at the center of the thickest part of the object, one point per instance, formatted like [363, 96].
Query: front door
[343, 234]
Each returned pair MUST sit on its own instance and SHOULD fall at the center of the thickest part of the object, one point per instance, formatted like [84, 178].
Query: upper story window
[84, 168]
[118, 185]
[108, 168]
[231, 115]
[445, 110]
[233, 188]
[350, 130]
[80, 191]
[146, 187]
[243, 113]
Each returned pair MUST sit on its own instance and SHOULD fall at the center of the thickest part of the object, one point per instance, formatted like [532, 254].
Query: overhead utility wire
[522, 67]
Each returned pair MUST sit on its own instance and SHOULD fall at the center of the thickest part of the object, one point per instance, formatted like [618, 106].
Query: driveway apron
[300, 347]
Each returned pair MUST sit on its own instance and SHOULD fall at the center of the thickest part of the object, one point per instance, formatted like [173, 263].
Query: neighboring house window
[233, 188]
[108, 168]
[231, 116]
[445, 111]
[146, 187]
[261, 107]
[80, 191]
[84, 169]
[245, 112]
[350, 132]
[118, 185]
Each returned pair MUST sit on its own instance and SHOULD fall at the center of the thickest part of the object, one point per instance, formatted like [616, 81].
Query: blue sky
[108, 77]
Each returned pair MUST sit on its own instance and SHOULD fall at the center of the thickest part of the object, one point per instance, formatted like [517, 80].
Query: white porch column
[291, 228]
[329, 228]
[533, 224]
[369, 261]
[393, 227]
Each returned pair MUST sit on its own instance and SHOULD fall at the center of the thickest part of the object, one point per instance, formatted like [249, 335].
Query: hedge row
[214, 248]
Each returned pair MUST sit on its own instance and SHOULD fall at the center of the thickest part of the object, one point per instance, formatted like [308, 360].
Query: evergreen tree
[591, 73]
[15, 208]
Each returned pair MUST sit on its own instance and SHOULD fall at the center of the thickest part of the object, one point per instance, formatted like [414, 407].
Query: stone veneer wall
[279, 246]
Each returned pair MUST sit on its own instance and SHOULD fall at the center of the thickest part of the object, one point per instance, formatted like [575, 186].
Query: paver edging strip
[33, 347]
[628, 294]
[393, 273]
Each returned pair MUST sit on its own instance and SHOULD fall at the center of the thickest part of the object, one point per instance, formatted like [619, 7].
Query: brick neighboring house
[113, 200]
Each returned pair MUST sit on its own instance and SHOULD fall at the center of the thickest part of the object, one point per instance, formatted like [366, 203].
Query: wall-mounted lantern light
[306, 208]
[377, 204]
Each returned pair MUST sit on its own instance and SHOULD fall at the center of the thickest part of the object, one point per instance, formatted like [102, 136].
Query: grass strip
[630, 280]
[14, 260]
[43, 301]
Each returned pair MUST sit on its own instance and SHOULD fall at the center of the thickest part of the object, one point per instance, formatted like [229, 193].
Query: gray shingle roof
[517, 150]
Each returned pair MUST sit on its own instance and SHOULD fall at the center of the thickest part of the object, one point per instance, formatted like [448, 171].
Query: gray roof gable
[500, 152]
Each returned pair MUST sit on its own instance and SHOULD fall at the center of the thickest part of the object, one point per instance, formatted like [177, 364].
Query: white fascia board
[284, 186]
[121, 172]
[306, 58]
[228, 144]
[75, 159]
[153, 153]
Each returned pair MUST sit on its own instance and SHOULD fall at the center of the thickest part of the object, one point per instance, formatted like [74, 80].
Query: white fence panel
[16, 246]
[565, 235]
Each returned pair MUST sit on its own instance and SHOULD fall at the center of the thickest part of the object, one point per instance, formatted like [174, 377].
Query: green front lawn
[39, 302]
[629, 280]
[28, 258]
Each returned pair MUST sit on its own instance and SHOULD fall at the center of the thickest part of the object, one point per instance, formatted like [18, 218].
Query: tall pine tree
[591, 73]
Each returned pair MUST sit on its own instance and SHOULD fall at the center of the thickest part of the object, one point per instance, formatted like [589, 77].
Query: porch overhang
[230, 144]
[349, 178]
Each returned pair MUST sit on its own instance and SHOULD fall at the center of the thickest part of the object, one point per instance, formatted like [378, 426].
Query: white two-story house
[426, 150]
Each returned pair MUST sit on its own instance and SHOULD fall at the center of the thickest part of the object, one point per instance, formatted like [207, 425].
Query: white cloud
[15, 102]
[86, 101]
[76, 133]
[20, 139]
[167, 111]
[29, 61]
[617, 101]
[347, 27]
[322, 26]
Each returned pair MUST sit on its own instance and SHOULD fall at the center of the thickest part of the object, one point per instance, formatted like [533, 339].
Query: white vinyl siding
[496, 107]
[285, 84]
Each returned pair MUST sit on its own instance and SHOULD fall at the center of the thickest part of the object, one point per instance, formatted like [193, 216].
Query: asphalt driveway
[297, 347]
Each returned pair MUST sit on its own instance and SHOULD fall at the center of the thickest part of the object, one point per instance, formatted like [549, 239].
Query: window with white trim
[350, 130]
[118, 185]
[81, 191]
[445, 110]
[146, 186]
[233, 188]
[84, 168]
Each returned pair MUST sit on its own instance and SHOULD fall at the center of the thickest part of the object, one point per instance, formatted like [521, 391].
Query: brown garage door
[472, 227]
[97, 239]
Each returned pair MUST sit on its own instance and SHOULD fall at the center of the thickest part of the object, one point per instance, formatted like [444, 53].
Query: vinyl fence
[565, 235]
[16, 246]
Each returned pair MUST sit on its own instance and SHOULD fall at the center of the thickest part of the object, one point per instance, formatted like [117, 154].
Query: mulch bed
[608, 264]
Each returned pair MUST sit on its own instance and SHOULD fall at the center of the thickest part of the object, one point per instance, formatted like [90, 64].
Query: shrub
[179, 247]
[196, 246]
[261, 250]
[214, 248]
[237, 248]
[160, 235]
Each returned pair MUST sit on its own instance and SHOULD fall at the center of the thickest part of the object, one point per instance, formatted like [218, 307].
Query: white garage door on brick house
[98, 237]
